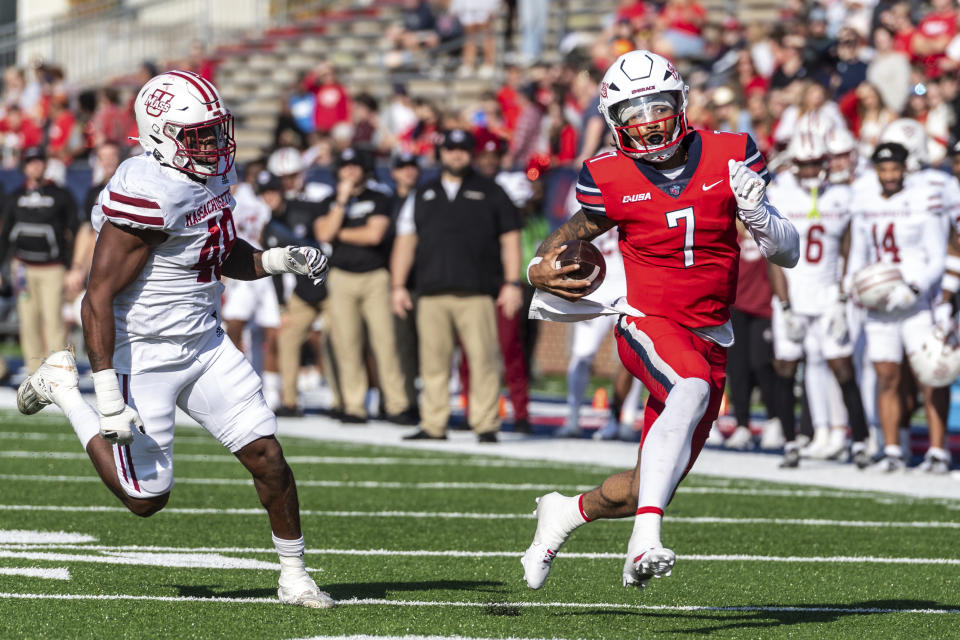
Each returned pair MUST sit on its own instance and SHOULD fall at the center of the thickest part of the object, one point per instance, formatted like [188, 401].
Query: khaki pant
[357, 299]
[295, 326]
[40, 308]
[440, 319]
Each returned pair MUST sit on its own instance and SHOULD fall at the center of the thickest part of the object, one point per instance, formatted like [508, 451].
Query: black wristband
[515, 283]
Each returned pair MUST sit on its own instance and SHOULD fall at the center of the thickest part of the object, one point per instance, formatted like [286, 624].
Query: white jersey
[166, 316]
[905, 229]
[821, 221]
[939, 181]
[251, 214]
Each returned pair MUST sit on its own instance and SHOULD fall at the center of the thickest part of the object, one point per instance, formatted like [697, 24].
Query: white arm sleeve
[935, 247]
[406, 224]
[775, 235]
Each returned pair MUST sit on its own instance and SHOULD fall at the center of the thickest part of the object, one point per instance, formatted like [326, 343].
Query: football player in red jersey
[675, 195]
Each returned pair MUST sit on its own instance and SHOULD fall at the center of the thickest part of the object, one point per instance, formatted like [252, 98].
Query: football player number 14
[673, 221]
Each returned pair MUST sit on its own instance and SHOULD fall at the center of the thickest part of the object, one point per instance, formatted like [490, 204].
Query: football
[590, 261]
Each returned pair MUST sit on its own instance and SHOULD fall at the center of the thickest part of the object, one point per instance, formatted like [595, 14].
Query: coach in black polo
[461, 235]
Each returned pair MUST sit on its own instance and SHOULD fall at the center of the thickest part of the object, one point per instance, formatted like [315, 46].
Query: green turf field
[429, 544]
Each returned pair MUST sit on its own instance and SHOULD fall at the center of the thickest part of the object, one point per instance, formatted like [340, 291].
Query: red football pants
[661, 352]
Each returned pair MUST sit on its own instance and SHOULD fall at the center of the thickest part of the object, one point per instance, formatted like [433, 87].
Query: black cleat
[423, 435]
[791, 459]
[490, 437]
[289, 412]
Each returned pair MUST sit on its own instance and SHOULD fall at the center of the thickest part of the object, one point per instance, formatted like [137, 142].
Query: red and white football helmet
[873, 283]
[182, 121]
[641, 84]
[808, 148]
[841, 154]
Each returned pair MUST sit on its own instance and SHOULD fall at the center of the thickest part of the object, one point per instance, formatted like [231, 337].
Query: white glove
[796, 327]
[303, 261]
[943, 317]
[902, 297]
[747, 185]
[837, 326]
[116, 416]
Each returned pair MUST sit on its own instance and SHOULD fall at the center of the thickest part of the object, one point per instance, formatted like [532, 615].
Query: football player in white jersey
[900, 225]
[808, 299]
[151, 320]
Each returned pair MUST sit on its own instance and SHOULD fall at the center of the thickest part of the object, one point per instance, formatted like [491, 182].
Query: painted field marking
[493, 486]
[448, 515]
[332, 460]
[456, 553]
[60, 573]
[30, 538]
[455, 603]
[180, 560]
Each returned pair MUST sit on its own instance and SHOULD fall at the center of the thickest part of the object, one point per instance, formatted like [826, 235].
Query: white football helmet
[937, 362]
[285, 161]
[182, 121]
[872, 284]
[913, 137]
[842, 155]
[808, 148]
[646, 87]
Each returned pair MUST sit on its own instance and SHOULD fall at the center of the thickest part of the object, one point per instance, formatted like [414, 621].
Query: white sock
[571, 517]
[271, 388]
[291, 557]
[857, 447]
[938, 453]
[893, 451]
[646, 530]
[83, 418]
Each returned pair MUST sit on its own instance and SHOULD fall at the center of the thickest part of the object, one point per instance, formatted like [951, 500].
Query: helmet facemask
[642, 125]
[205, 148]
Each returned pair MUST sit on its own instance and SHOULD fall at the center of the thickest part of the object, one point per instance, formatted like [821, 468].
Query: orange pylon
[600, 400]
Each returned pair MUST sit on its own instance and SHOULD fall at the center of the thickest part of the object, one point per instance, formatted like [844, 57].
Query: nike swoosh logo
[707, 187]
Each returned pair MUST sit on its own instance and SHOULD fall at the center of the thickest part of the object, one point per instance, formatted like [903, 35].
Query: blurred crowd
[856, 65]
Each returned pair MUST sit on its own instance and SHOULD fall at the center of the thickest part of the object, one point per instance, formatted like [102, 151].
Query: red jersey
[678, 234]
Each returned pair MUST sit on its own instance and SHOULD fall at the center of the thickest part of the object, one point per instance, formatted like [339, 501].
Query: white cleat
[836, 447]
[771, 438]
[304, 592]
[58, 371]
[655, 562]
[715, 439]
[549, 537]
[741, 439]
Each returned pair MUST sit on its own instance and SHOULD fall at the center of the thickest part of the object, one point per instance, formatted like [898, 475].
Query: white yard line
[499, 605]
[465, 553]
[180, 560]
[810, 522]
[59, 573]
[494, 486]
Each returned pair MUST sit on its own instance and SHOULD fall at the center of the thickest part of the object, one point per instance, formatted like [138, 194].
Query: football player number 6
[673, 221]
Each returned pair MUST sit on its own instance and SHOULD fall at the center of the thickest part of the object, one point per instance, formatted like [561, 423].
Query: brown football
[586, 256]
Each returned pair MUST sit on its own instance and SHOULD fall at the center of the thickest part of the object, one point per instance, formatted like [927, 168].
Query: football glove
[796, 327]
[943, 317]
[747, 186]
[900, 298]
[837, 326]
[117, 418]
[303, 261]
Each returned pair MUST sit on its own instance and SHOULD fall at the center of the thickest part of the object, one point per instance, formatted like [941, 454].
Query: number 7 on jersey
[673, 221]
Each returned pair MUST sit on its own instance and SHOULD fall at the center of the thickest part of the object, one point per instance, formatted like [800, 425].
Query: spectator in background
[365, 120]
[420, 140]
[14, 85]
[476, 16]
[19, 133]
[107, 158]
[110, 121]
[397, 117]
[593, 127]
[849, 70]
[406, 173]
[561, 134]
[333, 101]
[507, 96]
[60, 129]
[38, 228]
[534, 17]
[866, 116]
[934, 32]
[461, 234]
[889, 71]
[727, 115]
[682, 29]
[416, 31]
[302, 105]
[356, 222]
[527, 137]
[487, 162]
